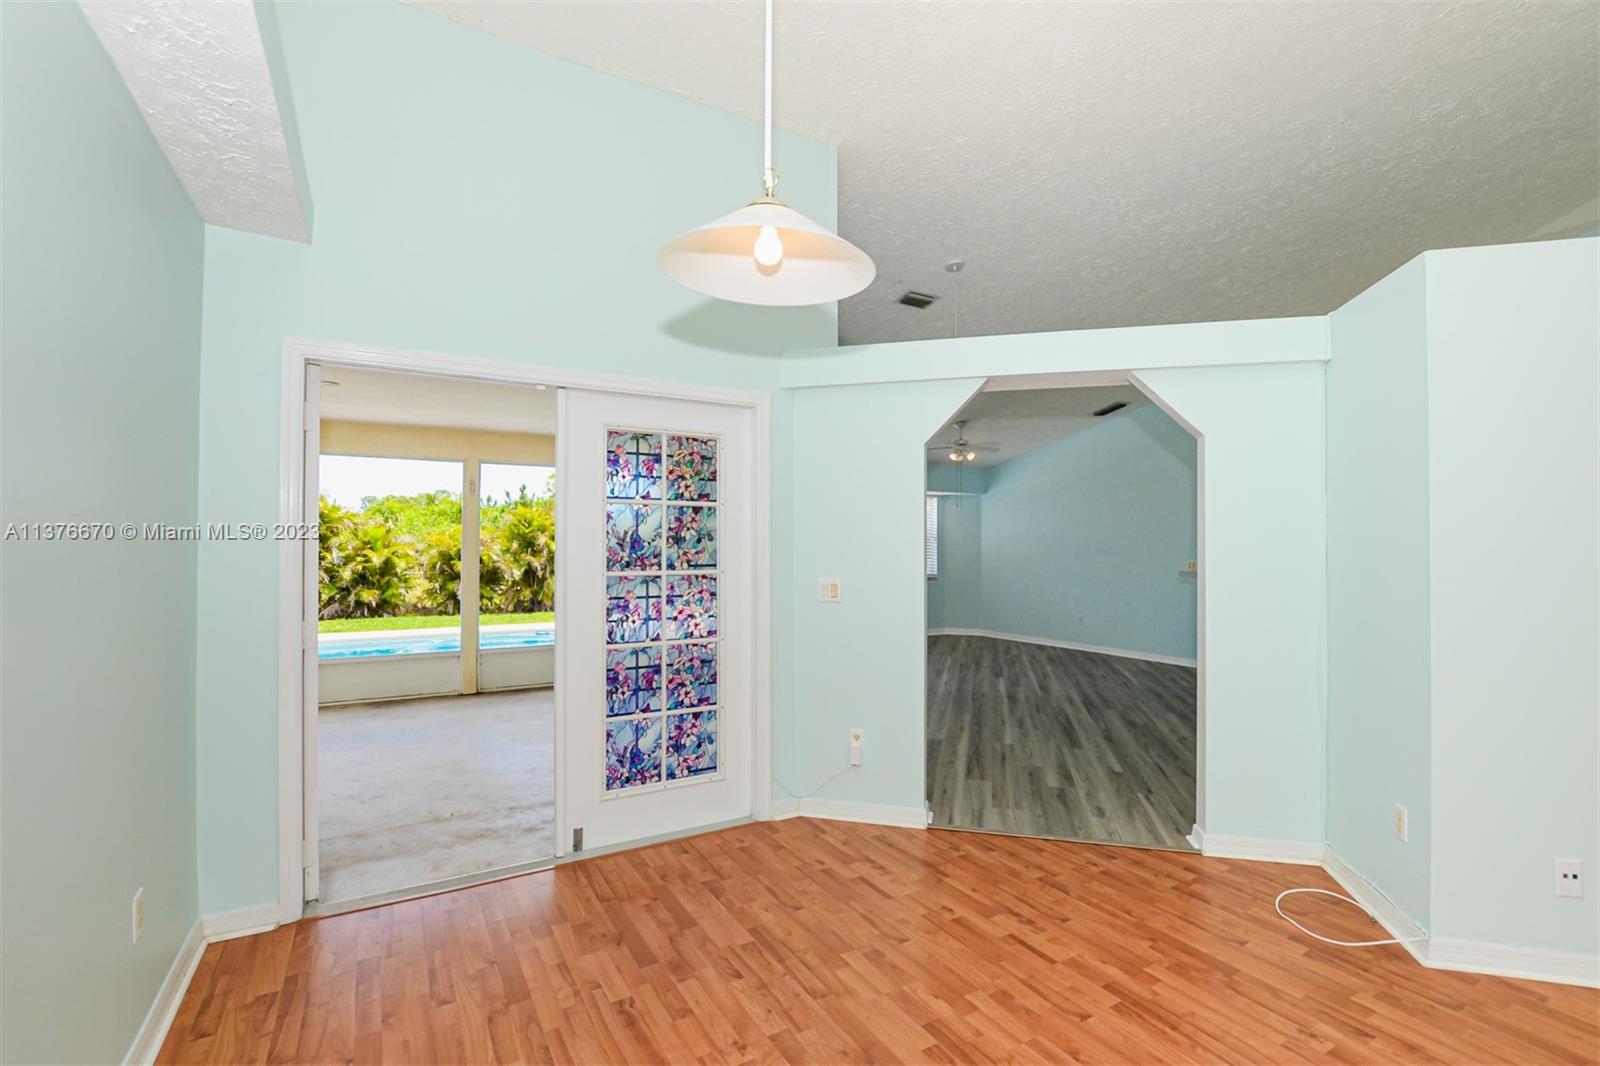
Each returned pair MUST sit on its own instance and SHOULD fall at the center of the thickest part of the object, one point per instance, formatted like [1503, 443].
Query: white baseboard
[242, 922]
[208, 929]
[1257, 849]
[840, 811]
[1389, 913]
[1467, 956]
[1149, 657]
[1501, 960]
[153, 1030]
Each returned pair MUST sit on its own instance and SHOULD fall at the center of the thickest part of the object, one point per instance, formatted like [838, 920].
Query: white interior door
[656, 608]
[310, 578]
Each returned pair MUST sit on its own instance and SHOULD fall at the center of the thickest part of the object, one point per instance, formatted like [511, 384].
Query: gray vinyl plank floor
[417, 791]
[1050, 742]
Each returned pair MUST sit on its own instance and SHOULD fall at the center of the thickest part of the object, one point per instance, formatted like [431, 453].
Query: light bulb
[769, 249]
[971, 456]
[955, 457]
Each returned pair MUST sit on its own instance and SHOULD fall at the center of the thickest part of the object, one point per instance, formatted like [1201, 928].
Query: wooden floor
[806, 941]
[1024, 738]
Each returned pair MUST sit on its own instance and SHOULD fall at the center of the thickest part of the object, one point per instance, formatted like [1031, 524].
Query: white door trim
[297, 352]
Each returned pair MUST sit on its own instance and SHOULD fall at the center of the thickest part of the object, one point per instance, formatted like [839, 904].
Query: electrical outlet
[1402, 824]
[1080, 619]
[856, 737]
[1569, 878]
[138, 913]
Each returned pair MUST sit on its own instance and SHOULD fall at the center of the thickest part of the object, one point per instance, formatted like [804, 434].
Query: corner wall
[100, 257]
[1379, 690]
[1464, 527]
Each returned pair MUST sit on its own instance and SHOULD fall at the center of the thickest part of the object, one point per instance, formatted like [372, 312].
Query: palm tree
[333, 524]
[528, 550]
[439, 586]
[372, 573]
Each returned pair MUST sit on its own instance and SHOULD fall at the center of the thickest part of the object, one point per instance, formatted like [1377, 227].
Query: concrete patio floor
[415, 791]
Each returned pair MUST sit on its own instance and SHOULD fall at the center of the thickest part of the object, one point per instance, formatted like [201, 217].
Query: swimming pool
[339, 646]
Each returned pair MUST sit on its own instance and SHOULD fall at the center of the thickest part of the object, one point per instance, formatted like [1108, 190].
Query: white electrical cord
[1277, 905]
[804, 795]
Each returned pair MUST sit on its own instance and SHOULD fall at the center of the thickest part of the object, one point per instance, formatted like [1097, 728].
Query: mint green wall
[1462, 537]
[1379, 732]
[1096, 527]
[100, 256]
[473, 197]
[859, 663]
[1513, 343]
[1263, 599]
[853, 470]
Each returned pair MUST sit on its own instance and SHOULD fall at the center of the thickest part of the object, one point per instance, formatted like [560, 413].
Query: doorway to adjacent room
[1062, 559]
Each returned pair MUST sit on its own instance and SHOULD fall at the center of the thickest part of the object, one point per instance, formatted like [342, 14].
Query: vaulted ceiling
[1138, 163]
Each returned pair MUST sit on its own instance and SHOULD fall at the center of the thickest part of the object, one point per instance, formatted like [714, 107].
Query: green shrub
[401, 555]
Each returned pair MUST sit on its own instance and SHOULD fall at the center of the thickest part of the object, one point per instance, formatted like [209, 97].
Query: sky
[345, 479]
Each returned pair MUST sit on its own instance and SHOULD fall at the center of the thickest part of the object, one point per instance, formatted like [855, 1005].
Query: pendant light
[767, 252]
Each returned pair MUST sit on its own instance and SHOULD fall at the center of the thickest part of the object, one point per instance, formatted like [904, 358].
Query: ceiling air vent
[1110, 409]
[919, 300]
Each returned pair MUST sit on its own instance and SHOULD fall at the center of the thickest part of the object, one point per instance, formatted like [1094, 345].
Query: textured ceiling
[198, 70]
[1018, 421]
[1116, 164]
[426, 400]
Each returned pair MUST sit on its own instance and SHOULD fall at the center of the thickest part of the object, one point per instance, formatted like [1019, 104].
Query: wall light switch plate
[1569, 878]
[1402, 824]
[828, 589]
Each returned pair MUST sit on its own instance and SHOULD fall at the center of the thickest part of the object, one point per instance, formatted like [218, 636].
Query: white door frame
[294, 615]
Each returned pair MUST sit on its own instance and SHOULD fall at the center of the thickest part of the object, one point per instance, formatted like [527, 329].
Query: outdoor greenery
[427, 621]
[400, 557]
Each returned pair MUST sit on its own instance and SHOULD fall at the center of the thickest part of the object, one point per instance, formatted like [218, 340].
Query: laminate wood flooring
[1024, 738]
[831, 942]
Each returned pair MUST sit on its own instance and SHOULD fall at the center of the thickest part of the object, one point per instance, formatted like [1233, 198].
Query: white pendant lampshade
[767, 252]
[806, 265]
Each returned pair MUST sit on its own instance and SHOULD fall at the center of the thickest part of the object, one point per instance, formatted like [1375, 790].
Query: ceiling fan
[962, 450]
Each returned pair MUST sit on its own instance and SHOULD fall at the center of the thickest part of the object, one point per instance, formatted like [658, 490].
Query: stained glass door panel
[661, 608]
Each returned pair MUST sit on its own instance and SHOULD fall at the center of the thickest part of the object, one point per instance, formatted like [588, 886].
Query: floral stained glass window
[662, 672]
[691, 675]
[691, 468]
[633, 680]
[633, 752]
[691, 745]
[633, 465]
[633, 536]
[633, 609]
[691, 538]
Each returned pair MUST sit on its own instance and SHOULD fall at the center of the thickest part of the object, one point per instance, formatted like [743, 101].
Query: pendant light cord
[769, 176]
